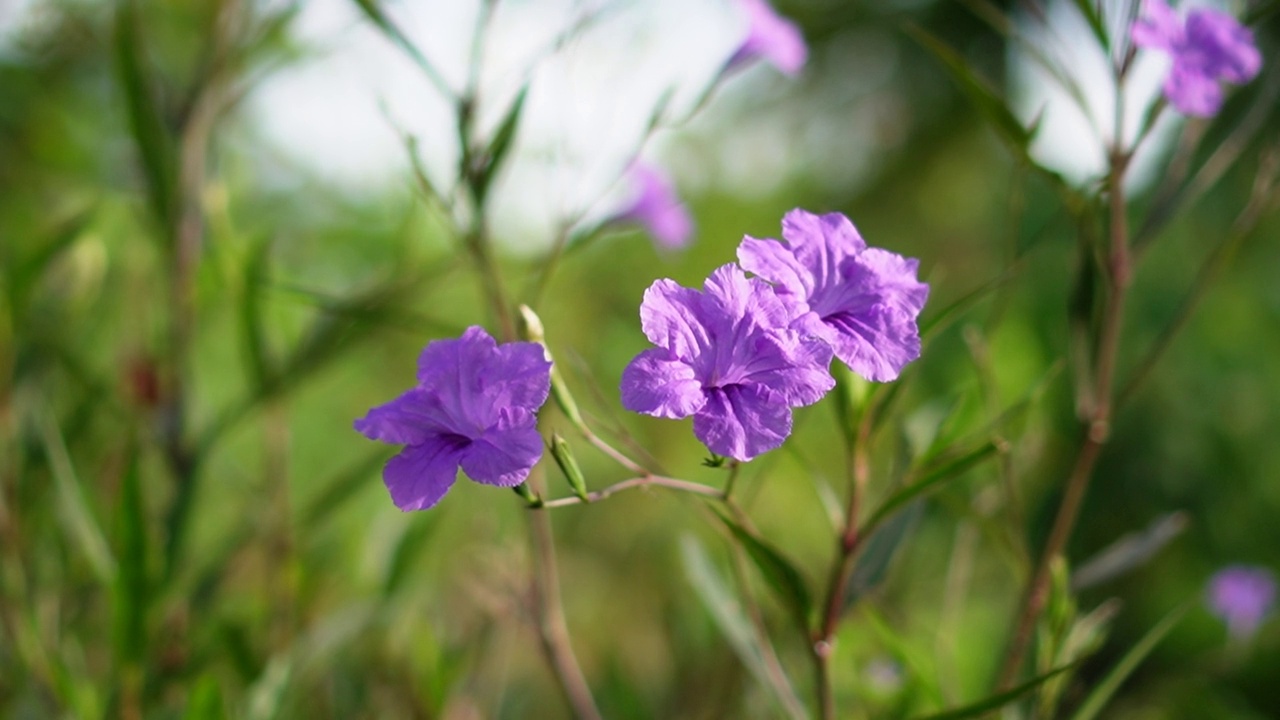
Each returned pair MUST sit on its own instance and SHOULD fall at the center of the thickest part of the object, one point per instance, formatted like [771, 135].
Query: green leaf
[132, 588]
[988, 102]
[251, 316]
[410, 546]
[779, 572]
[931, 478]
[997, 701]
[725, 610]
[73, 506]
[205, 702]
[496, 153]
[1094, 19]
[146, 121]
[878, 552]
[342, 487]
[939, 320]
[1104, 690]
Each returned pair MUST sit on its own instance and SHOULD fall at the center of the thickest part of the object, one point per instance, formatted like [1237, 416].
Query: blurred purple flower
[473, 407]
[1211, 46]
[863, 301]
[726, 357]
[772, 37]
[657, 207]
[1242, 596]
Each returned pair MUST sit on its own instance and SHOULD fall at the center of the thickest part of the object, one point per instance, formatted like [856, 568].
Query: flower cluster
[473, 408]
[742, 353]
[1209, 47]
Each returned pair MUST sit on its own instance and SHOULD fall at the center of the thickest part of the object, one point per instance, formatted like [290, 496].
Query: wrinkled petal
[749, 304]
[1159, 27]
[505, 453]
[659, 385]
[776, 263]
[670, 318]
[472, 377]
[821, 242]
[895, 278]
[421, 474]
[408, 420]
[519, 375]
[742, 421]
[1192, 92]
[793, 367]
[876, 343]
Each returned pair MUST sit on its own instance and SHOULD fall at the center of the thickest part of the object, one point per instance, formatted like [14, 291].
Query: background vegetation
[189, 323]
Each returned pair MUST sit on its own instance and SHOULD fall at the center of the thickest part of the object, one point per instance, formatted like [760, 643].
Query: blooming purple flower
[726, 357]
[861, 300]
[473, 407]
[1210, 46]
[1242, 596]
[657, 207]
[771, 37]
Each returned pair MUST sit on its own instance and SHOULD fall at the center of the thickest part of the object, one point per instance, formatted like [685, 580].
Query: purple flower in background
[863, 301]
[473, 407]
[657, 207]
[771, 37]
[1242, 596]
[726, 357]
[1210, 46]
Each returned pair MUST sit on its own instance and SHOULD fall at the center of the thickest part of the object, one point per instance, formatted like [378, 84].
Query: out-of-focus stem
[1096, 427]
[823, 641]
[552, 628]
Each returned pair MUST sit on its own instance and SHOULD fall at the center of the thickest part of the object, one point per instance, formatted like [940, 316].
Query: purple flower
[1242, 596]
[657, 207]
[726, 357]
[1211, 46]
[771, 37]
[863, 301]
[473, 407]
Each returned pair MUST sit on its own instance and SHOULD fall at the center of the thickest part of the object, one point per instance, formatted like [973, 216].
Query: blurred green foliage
[189, 527]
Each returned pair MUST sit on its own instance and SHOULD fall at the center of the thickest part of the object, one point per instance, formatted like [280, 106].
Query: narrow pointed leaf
[1107, 687]
[779, 572]
[995, 702]
[78, 519]
[931, 478]
[878, 552]
[132, 585]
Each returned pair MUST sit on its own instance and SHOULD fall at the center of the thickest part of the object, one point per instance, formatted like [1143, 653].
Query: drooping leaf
[146, 121]
[132, 587]
[1107, 687]
[878, 551]
[780, 573]
[930, 479]
[997, 701]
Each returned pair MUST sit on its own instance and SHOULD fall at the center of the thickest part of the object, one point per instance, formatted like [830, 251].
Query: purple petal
[777, 263]
[659, 385]
[408, 420]
[771, 37]
[421, 474]
[1159, 27]
[473, 377]
[1192, 92]
[742, 421]
[670, 316]
[742, 304]
[875, 343]
[657, 207]
[895, 279]
[1220, 46]
[821, 242]
[793, 367]
[505, 453]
